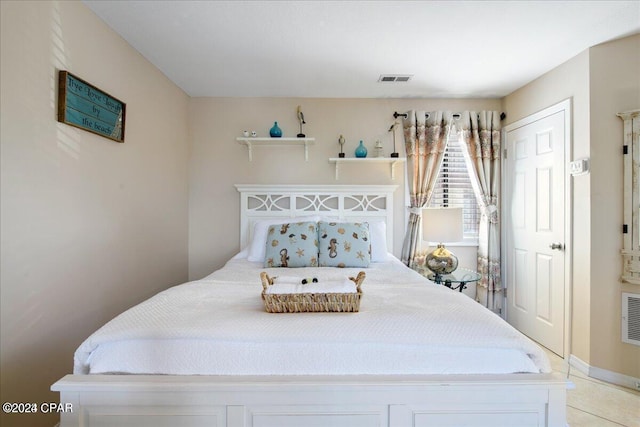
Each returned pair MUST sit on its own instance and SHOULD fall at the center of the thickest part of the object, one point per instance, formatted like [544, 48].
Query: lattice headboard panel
[344, 202]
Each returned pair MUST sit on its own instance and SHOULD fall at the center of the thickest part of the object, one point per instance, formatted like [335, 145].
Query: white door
[535, 225]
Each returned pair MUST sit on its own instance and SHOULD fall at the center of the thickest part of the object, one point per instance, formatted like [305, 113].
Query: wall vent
[395, 78]
[631, 318]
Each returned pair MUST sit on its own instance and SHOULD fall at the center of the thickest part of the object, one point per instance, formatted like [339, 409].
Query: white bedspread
[218, 326]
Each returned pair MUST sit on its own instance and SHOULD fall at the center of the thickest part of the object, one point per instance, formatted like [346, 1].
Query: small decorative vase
[275, 131]
[361, 151]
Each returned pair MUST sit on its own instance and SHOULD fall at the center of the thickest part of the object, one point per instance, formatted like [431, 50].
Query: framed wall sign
[82, 105]
[631, 217]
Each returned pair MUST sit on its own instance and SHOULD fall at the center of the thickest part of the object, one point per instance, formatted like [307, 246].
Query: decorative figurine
[341, 141]
[361, 150]
[275, 131]
[254, 133]
[392, 129]
[378, 149]
[302, 122]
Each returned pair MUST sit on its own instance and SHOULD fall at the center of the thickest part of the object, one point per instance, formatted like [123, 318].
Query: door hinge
[625, 149]
[625, 228]
[504, 155]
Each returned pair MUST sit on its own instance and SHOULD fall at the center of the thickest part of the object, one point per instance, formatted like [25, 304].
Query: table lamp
[441, 225]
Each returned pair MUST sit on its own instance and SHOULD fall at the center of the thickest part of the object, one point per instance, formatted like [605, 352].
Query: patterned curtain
[425, 142]
[481, 137]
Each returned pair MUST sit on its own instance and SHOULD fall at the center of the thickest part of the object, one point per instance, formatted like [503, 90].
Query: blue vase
[275, 131]
[361, 151]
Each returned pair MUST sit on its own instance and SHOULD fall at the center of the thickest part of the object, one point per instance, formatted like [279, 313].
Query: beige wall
[601, 82]
[218, 161]
[615, 87]
[90, 227]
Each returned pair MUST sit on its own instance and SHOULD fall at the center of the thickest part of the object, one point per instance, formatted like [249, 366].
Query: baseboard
[603, 374]
[579, 364]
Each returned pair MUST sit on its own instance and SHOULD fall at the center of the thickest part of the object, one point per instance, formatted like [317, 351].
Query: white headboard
[344, 202]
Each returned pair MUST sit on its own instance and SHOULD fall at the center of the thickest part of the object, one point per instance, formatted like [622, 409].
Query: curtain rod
[455, 115]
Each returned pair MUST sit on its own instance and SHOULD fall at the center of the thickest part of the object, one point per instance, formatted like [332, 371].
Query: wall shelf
[251, 142]
[392, 161]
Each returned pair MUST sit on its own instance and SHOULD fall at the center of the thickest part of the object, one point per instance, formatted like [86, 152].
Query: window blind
[453, 187]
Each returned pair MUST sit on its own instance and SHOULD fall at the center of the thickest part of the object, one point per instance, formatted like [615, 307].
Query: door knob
[557, 246]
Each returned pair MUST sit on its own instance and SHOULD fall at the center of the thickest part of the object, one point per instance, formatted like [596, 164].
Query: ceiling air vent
[394, 78]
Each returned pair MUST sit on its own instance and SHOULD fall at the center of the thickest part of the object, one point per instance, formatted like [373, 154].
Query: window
[453, 187]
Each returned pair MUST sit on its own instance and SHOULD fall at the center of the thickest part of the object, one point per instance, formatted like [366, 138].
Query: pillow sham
[259, 236]
[344, 244]
[292, 245]
[378, 234]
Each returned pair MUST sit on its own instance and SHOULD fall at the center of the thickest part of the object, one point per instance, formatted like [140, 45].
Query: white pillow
[257, 247]
[378, 234]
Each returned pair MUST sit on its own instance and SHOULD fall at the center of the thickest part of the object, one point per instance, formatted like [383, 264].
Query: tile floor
[594, 403]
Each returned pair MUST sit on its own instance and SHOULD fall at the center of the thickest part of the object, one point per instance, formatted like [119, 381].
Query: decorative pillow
[292, 245]
[259, 236]
[378, 234]
[344, 244]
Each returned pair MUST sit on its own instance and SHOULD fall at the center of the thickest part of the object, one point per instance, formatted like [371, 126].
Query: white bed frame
[343, 202]
[314, 401]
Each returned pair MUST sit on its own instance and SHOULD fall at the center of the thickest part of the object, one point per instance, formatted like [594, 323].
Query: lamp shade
[442, 225]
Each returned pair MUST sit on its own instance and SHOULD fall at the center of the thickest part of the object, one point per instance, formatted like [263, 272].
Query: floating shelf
[251, 142]
[393, 161]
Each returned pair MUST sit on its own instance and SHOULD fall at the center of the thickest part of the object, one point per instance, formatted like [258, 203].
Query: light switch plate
[579, 167]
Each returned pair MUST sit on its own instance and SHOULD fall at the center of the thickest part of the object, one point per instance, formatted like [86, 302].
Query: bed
[206, 353]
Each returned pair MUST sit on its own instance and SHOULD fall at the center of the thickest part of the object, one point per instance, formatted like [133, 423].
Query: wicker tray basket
[312, 302]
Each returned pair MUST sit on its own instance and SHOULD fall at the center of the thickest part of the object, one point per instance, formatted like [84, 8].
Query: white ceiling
[339, 49]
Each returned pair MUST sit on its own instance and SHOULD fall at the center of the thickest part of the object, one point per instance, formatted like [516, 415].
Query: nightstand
[457, 280]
